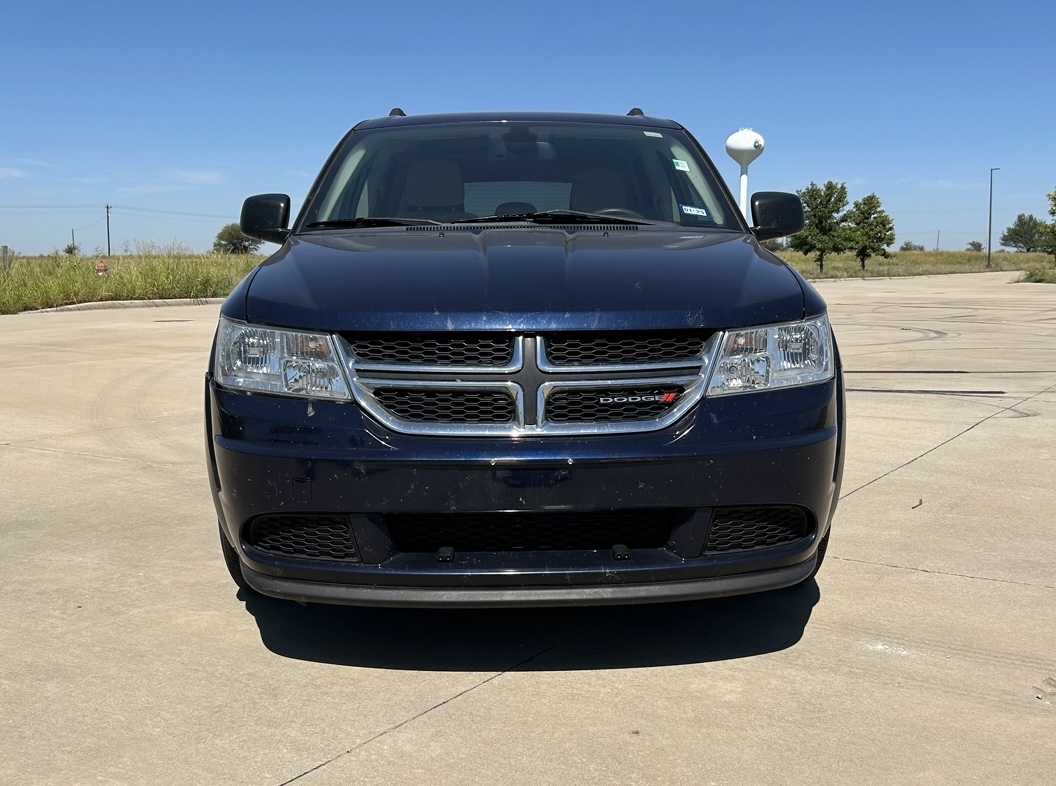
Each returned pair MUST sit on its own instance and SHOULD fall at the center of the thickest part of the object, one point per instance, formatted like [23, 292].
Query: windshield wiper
[555, 217]
[368, 221]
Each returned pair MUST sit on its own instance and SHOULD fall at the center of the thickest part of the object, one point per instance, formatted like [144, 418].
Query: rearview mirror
[776, 214]
[266, 217]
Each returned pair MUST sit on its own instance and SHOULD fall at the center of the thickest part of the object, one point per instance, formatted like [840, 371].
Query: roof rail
[397, 112]
[635, 112]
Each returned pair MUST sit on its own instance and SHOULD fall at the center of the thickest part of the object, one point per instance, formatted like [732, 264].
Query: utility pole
[108, 230]
[73, 244]
[938, 234]
[990, 220]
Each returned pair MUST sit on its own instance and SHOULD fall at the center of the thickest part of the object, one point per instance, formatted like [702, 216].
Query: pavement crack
[445, 702]
[945, 442]
[945, 573]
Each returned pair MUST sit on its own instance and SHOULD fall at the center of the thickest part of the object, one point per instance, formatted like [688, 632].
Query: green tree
[975, 245]
[1051, 226]
[230, 240]
[869, 229]
[825, 231]
[909, 245]
[1027, 233]
[72, 250]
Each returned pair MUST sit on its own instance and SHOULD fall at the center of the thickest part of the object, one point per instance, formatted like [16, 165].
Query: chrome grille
[495, 384]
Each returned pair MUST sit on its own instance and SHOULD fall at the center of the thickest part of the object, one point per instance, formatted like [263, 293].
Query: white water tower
[744, 147]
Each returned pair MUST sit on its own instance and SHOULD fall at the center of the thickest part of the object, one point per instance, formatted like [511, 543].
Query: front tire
[234, 565]
[822, 548]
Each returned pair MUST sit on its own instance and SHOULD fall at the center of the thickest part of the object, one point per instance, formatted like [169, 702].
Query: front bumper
[660, 591]
[271, 455]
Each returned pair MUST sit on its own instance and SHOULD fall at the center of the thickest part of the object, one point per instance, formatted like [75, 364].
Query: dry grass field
[45, 282]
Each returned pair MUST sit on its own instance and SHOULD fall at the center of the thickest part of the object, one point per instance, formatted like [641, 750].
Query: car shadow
[545, 639]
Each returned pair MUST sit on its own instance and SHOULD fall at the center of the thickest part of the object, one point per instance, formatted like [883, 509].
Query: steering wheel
[619, 212]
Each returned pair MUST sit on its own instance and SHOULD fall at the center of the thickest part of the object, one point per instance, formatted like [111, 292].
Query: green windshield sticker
[681, 166]
[657, 134]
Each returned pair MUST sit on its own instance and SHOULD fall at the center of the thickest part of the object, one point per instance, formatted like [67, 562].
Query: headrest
[514, 208]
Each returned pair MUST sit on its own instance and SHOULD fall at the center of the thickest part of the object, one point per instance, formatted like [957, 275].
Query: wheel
[619, 212]
[234, 565]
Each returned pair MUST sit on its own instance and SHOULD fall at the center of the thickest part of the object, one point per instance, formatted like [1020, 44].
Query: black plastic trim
[462, 597]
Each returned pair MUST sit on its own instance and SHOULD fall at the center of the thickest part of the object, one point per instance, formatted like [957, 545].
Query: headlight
[773, 356]
[287, 362]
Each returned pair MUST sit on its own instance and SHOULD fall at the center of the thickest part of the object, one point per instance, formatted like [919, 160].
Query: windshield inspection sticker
[657, 134]
[681, 166]
[689, 210]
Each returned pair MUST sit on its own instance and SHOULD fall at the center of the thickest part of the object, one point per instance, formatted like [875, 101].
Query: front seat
[434, 190]
[597, 189]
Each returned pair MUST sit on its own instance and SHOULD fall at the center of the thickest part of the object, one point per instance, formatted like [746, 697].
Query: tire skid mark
[88, 454]
[66, 434]
[945, 442]
[890, 674]
[946, 646]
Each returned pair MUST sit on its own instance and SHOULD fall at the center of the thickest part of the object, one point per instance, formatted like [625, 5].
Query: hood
[531, 278]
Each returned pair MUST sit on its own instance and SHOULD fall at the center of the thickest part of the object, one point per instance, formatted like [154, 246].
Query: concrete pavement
[925, 652]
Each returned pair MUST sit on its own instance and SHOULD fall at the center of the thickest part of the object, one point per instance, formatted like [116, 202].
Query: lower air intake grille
[645, 529]
[308, 536]
[434, 405]
[743, 529]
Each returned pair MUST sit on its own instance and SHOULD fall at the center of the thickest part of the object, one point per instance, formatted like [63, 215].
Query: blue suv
[522, 359]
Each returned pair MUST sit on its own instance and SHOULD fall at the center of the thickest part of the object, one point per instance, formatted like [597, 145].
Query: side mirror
[266, 217]
[776, 214]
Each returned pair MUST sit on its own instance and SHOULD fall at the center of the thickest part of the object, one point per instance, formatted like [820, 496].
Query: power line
[127, 208]
[168, 212]
[89, 226]
[49, 207]
[928, 232]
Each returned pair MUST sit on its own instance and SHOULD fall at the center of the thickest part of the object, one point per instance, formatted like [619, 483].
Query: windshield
[477, 170]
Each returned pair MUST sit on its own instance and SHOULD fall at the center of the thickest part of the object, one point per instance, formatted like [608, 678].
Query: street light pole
[990, 220]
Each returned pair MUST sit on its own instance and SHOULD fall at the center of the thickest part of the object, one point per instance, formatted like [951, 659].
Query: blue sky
[187, 108]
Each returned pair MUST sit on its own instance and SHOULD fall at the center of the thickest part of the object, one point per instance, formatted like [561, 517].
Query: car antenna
[636, 112]
[397, 112]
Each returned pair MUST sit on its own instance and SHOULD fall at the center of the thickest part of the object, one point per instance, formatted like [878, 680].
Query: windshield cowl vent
[561, 227]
